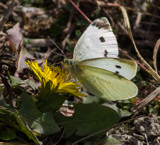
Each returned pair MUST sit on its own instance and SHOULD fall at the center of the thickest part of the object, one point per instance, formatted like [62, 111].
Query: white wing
[124, 67]
[97, 41]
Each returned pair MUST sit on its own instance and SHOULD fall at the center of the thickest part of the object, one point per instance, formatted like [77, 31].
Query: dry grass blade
[156, 48]
[145, 101]
[151, 71]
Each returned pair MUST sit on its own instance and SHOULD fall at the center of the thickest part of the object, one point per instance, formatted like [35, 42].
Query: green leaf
[53, 102]
[14, 80]
[9, 117]
[26, 130]
[91, 99]
[78, 33]
[111, 141]
[88, 118]
[7, 134]
[17, 82]
[30, 83]
[42, 123]
[2, 101]
[122, 112]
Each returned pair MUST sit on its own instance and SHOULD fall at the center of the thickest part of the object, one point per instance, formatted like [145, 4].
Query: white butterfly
[96, 64]
[97, 41]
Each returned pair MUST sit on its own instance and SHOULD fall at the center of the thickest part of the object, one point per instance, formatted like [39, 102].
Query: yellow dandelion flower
[58, 78]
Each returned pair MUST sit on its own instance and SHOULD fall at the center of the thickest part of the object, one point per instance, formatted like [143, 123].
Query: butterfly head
[70, 64]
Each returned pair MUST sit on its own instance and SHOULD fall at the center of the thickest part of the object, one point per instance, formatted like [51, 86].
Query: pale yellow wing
[105, 84]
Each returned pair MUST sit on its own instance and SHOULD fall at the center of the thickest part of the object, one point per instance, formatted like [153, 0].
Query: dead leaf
[15, 37]
[22, 57]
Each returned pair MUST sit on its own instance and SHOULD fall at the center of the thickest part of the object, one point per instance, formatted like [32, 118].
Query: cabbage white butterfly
[96, 64]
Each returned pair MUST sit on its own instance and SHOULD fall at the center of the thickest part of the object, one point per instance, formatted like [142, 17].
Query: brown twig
[80, 11]
[145, 101]
[7, 13]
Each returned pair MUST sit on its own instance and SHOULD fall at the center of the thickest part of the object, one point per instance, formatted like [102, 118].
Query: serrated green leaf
[42, 123]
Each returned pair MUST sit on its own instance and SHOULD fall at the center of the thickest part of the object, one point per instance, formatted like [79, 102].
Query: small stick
[80, 11]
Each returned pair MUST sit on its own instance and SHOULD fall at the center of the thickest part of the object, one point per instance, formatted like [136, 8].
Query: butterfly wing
[105, 84]
[124, 67]
[97, 41]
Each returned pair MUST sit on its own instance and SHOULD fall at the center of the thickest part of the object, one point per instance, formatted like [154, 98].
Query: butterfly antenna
[57, 48]
[73, 4]
[59, 54]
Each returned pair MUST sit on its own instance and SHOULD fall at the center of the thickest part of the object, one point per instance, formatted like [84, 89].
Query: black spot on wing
[119, 76]
[105, 53]
[102, 39]
[118, 66]
[117, 72]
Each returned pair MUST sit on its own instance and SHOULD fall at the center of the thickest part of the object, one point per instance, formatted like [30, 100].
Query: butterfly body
[96, 64]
